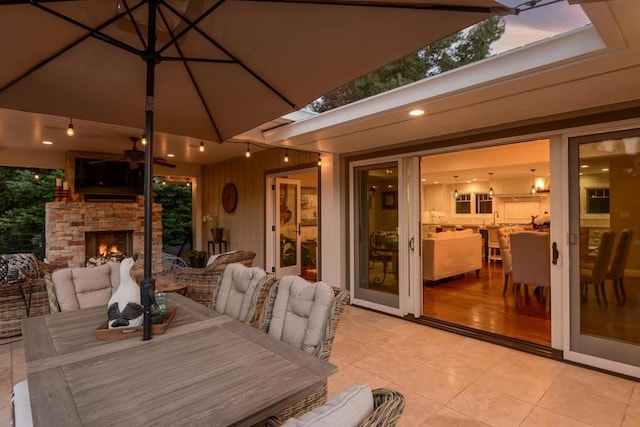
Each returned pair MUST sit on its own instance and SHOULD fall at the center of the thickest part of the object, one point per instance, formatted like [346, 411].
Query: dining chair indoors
[493, 245]
[531, 262]
[597, 273]
[505, 252]
[615, 272]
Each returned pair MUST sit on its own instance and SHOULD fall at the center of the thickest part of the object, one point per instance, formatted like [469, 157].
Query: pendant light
[319, 160]
[247, 154]
[70, 130]
[491, 192]
[143, 140]
[533, 183]
[286, 155]
[455, 191]
[201, 146]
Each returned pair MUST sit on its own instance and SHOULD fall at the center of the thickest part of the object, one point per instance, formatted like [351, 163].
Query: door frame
[270, 216]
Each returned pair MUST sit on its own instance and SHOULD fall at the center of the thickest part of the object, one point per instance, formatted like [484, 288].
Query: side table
[211, 246]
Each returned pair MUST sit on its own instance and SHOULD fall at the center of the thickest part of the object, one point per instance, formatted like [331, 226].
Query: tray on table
[104, 333]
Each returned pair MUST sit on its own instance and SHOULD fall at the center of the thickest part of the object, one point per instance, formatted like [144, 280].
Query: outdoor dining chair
[356, 406]
[305, 315]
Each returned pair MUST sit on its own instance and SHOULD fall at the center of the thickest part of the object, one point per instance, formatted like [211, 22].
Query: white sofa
[451, 253]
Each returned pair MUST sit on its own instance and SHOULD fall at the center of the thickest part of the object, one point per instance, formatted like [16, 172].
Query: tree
[451, 52]
[176, 213]
[22, 200]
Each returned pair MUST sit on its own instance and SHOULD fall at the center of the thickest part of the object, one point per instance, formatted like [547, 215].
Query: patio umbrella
[208, 69]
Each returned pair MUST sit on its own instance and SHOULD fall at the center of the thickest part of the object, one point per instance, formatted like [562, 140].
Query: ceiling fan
[136, 156]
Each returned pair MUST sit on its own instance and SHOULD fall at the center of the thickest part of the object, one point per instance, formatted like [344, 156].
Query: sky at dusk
[538, 24]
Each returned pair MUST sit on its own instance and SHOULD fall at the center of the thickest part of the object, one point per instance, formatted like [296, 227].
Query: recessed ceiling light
[170, 155]
[416, 112]
[47, 142]
[423, 179]
[436, 182]
[605, 169]
[584, 166]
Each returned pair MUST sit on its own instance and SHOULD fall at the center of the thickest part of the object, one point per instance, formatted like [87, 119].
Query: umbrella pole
[147, 287]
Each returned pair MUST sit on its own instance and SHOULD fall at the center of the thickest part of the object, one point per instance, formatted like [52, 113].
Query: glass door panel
[288, 255]
[605, 256]
[376, 211]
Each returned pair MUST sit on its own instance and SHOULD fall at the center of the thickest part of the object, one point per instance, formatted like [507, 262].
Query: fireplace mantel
[67, 222]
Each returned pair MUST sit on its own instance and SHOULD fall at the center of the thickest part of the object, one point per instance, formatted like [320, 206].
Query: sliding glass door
[605, 250]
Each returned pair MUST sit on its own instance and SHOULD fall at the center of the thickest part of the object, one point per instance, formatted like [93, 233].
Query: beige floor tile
[583, 405]
[427, 346]
[525, 386]
[491, 407]
[18, 362]
[349, 350]
[388, 365]
[635, 396]
[481, 350]
[351, 375]
[632, 417]
[5, 415]
[519, 362]
[417, 409]
[447, 417]
[540, 417]
[605, 385]
[460, 365]
[432, 383]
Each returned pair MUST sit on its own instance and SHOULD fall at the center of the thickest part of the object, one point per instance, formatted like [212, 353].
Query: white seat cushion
[236, 291]
[348, 408]
[21, 405]
[300, 312]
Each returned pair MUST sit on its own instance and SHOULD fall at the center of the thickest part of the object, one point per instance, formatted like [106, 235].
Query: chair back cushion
[531, 258]
[505, 246]
[348, 408]
[599, 271]
[236, 291]
[300, 312]
[620, 255]
[85, 286]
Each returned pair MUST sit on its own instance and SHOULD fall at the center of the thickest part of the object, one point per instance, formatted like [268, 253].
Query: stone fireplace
[74, 230]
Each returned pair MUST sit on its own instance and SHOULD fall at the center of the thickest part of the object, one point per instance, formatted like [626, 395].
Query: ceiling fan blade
[162, 162]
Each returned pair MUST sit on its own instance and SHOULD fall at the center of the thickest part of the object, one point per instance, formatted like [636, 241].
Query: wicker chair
[323, 349]
[387, 408]
[32, 287]
[202, 282]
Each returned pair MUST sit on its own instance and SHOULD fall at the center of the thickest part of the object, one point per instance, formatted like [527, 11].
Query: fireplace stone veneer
[67, 222]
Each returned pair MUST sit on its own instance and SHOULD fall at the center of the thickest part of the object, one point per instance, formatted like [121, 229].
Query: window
[484, 204]
[597, 200]
[463, 204]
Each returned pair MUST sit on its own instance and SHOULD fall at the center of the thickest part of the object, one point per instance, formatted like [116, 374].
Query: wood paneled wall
[245, 227]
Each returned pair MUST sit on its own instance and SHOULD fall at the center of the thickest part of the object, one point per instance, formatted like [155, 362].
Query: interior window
[484, 204]
[597, 200]
[463, 204]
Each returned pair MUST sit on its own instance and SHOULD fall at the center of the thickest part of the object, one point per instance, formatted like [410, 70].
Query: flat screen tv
[108, 177]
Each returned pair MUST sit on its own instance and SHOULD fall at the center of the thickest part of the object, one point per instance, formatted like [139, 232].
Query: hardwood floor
[477, 302]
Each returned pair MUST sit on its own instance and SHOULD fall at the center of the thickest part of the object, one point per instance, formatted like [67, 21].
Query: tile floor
[447, 379]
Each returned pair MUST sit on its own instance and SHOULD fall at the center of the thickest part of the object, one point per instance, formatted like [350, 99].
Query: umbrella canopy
[224, 67]
[208, 69]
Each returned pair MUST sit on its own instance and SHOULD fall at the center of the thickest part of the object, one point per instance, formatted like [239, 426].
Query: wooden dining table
[206, 369]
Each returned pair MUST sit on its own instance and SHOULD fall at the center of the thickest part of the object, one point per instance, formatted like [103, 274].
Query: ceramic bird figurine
[124, 307]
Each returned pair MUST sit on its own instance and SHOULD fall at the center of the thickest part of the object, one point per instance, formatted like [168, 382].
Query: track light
[491, 192]
[533, 183]
[319, 160]
[70, 130]
[143, 140]
[455, 191]
[286, 156]
[247, 154]
[201, 146]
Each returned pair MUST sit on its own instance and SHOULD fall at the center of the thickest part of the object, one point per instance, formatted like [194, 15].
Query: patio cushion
[300, 312]
[21, 267]
[86, 286]
[236, 290]
[348, 408]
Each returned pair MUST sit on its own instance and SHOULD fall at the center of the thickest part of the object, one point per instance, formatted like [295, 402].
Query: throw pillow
[347, 409]
[22, 266]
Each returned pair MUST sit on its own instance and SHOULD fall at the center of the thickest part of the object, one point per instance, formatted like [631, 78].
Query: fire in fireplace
[104, 246]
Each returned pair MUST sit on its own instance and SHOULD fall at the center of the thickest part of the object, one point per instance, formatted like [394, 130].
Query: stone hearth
[67, 222]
